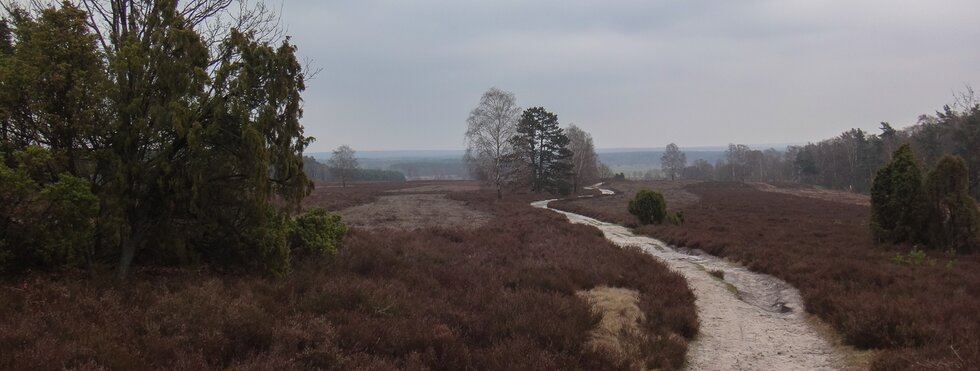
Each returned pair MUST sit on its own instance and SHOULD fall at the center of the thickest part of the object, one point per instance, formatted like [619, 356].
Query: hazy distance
[404, 75]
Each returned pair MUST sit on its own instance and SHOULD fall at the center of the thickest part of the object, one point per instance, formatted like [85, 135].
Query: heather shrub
[316, 232]
[648, 206]
[675, 218]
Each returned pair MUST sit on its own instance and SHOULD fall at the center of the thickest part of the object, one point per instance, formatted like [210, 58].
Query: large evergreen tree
[541, 152]
[186, 132]
[897, 202]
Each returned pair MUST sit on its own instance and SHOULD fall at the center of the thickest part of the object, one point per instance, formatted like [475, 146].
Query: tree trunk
[126, 259]
[129, 247]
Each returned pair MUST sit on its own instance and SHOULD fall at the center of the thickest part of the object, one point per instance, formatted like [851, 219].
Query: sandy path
[749, 321]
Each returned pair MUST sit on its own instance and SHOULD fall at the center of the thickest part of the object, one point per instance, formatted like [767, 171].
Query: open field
[413, 211]
[504, 295]
[913, 316]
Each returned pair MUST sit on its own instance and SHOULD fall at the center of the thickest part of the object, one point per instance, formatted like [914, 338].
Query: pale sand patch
[619, 329]
[413, 211]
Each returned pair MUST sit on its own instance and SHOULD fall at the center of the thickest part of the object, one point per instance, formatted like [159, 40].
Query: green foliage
[316, 232]
[953, 218]
[17, 191]
[44, 224]
[541, 152]
[649, 206]
[271, 253]
[916, 257]
[675, 218]
[897, 200]
[180, 144]
[69, 221]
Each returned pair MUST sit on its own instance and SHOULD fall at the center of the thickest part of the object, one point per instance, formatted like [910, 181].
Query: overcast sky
[405, 74]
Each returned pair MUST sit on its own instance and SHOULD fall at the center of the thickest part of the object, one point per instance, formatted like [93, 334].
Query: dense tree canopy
[184, 128]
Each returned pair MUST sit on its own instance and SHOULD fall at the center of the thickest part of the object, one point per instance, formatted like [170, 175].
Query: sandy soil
[749, 321]
[413, 211]
[817, 193]
[619, 329]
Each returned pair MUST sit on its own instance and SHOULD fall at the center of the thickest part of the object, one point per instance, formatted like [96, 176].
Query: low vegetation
[917, 311]
[937, 211]
[501, 296]
[648, 206]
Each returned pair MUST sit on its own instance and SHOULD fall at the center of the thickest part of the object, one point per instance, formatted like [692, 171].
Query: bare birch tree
[584, 160]
[343, 164]
[673, 161]
[489, 129]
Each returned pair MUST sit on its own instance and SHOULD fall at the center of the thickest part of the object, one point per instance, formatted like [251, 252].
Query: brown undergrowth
[502, 296]
[917, 315]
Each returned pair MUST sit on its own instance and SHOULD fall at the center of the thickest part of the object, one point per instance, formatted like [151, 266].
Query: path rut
[749, 321]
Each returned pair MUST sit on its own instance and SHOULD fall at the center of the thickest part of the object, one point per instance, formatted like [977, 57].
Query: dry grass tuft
[619, 331]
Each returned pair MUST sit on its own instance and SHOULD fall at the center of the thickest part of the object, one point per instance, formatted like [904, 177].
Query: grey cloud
[404, 74]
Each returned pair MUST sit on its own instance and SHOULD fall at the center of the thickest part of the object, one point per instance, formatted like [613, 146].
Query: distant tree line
[156, 132]
[316, 170]
[511, 147]
[850, 160]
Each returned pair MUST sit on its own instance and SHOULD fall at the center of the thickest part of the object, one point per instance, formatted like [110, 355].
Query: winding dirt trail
[749, 321]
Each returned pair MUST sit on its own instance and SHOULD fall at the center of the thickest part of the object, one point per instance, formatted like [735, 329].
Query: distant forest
[319, 171]
[413, 165]
[850, 160]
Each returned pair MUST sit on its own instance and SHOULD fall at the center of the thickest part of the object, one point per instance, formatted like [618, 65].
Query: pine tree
[541, 152]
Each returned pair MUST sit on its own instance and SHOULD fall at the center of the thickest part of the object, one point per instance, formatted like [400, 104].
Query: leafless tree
[489, 129]
[343, 164]
[673, 161]
[603, 171]
[584, 160]
[966, 99]
[738, 160]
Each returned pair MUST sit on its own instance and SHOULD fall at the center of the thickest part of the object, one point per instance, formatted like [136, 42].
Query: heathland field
[504, 286]
[911, 313]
